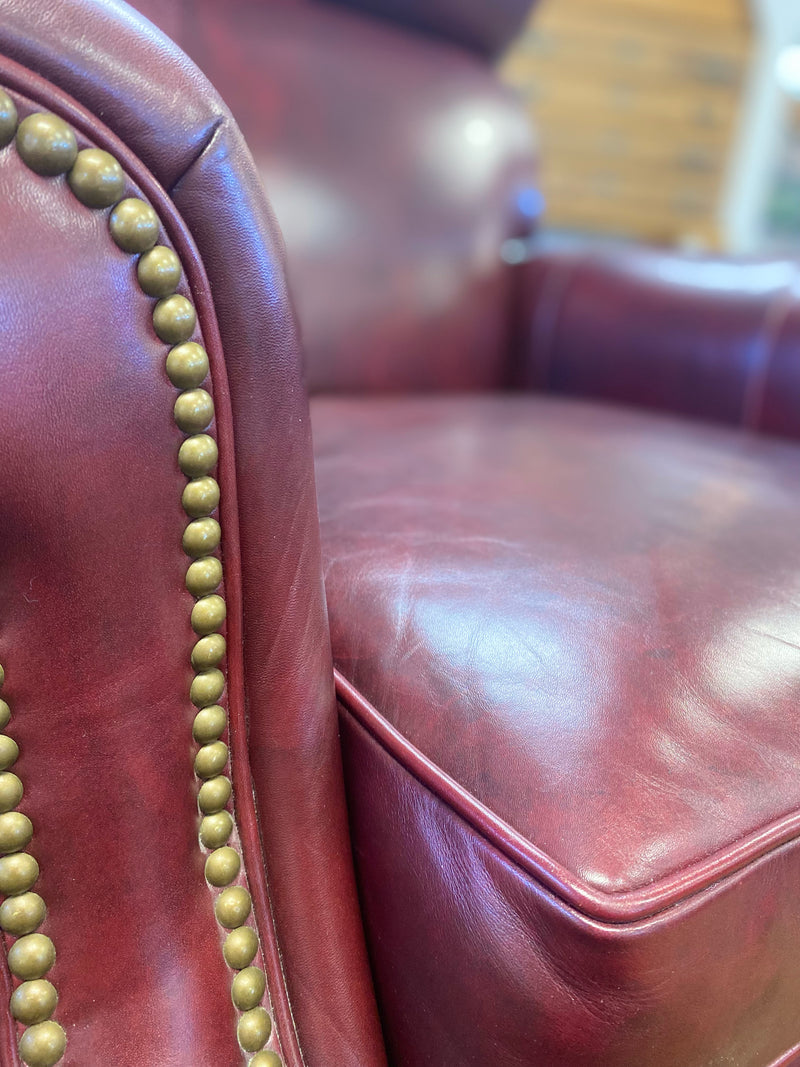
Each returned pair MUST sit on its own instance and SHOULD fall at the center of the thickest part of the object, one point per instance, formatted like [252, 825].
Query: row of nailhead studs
[22, 912]
[187, 368]
[48, 146]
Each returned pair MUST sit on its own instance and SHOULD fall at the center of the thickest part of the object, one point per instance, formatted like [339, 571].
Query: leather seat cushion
[568, 642]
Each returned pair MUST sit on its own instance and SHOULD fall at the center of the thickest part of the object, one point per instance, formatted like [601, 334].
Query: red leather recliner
[565, 630]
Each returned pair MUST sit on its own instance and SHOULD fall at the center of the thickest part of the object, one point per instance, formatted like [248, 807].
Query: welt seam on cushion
[344, 697]
[547, 891]
[592, 905]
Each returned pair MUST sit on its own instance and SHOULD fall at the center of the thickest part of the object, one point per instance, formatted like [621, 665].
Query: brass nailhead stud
[43, 1045]
[18, 872]
[232, 908]
[10, 790]
[5, 714]
[9, 752]
[248, 987]
[203, 576]
[208, 652]
[209, 724]
[213, 795]
[198, 455]
[22, 914]
[16, 830]
[254, 1029]
[208, 614]
[31, 956]
[266, 1059]
[207, 687]
[200, 497]
[222, 866]
[174, 319]
[159, 272]
[187, 364]
[194, 410]
[33, 1002]
[8, 124]
[133, 225]
[96, 178]
[240, 948]
[216, 829]
[2, 676]
[211, 759]
[46, 144]
[201, 537]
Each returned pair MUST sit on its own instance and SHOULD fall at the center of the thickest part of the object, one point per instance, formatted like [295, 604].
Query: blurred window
[637, 106]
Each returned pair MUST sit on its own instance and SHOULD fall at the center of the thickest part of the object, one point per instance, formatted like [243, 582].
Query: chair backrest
[486, 28]
[115, 443]
[398, 167]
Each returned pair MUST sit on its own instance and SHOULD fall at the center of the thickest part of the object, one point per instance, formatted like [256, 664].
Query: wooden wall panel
[636, 104]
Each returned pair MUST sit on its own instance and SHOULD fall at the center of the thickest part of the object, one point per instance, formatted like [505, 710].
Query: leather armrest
[707, 337]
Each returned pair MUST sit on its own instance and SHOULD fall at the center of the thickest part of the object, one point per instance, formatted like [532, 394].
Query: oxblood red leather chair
[565, 631]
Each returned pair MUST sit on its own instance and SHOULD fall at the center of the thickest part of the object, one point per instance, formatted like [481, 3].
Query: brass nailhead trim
[22, 912]
[187, 368]
[49, 147]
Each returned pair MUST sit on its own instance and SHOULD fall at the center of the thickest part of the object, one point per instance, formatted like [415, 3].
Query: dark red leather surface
[167, 114]
[397, 167]
[585, 620]
[705, 337]
[488, 28]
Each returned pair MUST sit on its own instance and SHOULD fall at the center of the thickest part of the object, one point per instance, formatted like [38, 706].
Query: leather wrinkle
[205, 145]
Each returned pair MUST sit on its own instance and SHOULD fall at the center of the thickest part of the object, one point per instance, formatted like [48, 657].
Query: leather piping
[614, 908]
